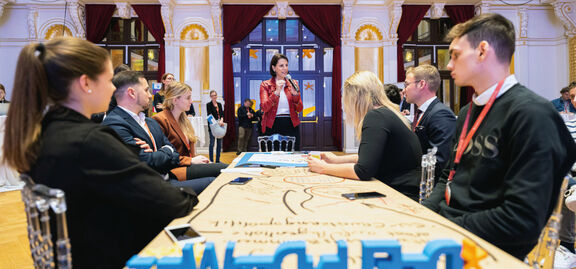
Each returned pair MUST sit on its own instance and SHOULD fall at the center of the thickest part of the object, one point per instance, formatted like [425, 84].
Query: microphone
[292, 82]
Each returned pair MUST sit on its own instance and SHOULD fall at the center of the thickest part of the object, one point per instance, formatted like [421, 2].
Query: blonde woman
[389, 151]
[177, 127]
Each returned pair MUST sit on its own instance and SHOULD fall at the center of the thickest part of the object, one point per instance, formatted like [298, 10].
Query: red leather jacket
[269, 103]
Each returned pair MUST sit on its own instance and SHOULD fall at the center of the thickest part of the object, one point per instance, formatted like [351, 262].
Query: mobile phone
[362, 195]
[183, 234]
[240, 180]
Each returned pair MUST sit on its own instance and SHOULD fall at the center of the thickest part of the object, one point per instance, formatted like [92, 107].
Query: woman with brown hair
[167, 78]
[116, 203]
[179, 130]
[389, 151]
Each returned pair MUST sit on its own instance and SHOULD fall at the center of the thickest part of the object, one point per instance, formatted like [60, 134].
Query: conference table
[287, 204]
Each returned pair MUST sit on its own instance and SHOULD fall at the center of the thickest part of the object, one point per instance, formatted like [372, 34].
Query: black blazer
[162, 160]
[436, 128]
[116, 203]
[211, 110]
[243, 120]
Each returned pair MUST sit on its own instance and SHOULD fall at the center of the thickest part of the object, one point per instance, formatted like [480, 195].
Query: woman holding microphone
[280, 101]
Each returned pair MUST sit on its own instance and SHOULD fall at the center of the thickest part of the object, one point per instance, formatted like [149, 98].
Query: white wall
[13, 37]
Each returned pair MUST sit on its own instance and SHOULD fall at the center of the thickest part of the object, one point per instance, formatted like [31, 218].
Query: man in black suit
[129, 121]
[434, 123]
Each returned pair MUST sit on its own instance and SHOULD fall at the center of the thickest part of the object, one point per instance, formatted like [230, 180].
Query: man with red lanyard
[563, 104]
[511, 148]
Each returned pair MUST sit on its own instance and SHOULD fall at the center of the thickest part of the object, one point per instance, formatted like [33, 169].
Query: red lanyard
[466, 137]
[217, 110]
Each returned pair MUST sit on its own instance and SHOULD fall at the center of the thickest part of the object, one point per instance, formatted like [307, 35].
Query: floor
[14, 246]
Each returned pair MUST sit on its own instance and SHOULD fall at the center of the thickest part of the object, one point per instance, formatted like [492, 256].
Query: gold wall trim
[57, 30]
[572, 53]
[368, 32]
[194, 32]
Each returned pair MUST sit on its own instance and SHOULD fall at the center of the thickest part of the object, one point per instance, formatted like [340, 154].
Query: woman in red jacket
[280, 102]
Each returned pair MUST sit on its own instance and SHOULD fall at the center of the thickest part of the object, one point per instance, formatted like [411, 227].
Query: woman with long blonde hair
[57, 86]
[389, 151]
[179, 130]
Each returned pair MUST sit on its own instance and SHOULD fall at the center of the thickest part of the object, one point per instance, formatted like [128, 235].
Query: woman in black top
[215, 109]
[3, 94]
[116, 203]
[388, 150]
[159, 96]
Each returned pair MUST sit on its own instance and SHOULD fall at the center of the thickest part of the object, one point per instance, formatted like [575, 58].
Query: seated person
[563, 104]
[503, 178]
[128, 120]
[116, 203]
[389, 151]
[179, 130]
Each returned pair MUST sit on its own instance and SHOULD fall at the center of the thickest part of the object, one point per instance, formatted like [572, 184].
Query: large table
[287, 204]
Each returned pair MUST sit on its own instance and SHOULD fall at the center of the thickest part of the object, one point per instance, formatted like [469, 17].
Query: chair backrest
[428, 172]
[276, 142]
[542, 256]
[38, 200]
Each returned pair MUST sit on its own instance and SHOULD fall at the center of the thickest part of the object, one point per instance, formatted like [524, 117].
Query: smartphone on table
[362, 195]
[240, 180]
[184, 234]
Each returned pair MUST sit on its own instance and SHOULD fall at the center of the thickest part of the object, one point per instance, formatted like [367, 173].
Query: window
[427, 46]
[129, 42]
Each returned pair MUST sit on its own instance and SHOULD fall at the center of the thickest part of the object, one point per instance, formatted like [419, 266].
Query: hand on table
[143, 145]
[200, 160]
[316, 165]
[329, 157]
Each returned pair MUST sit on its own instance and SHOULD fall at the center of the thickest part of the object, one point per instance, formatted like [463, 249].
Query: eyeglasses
[406, 84]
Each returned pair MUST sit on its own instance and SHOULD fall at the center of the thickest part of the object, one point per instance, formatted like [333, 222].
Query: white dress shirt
[483, 98]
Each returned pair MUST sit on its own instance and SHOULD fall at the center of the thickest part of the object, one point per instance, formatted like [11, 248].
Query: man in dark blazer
[433, 123]
[129, 121]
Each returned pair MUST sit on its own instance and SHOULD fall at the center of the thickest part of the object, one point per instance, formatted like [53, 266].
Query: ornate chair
[276, 142]
[38, 200]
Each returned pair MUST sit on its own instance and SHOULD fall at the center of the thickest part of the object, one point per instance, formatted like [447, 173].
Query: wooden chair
[276, 142]
[427, 178]
[38, 200]
[542, 256]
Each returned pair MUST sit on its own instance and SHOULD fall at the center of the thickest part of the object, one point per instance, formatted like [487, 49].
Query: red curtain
[411, 17]
[459, 14]
[238, 22]
[151, 16]
[325, 22]
[98, 19]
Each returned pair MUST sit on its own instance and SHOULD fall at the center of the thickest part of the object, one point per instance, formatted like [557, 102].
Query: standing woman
[116, 203]
[179, 130]
[215, 109]
[389, 151]
[280, 102]
[159, 96]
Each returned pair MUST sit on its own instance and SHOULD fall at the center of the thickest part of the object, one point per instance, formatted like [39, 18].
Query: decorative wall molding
[347, 18]
[282, 8]
[572, 58]
[523, 15]
[55, 25]
[167, 11]
[3, 3]
[368, 32]
[77, 13]
[565, 10]
[201, 23]
[395, 14]
[216, 13]
[194, 32]
[32, 21]
[482, 7]
[124, 10]
[437, 10]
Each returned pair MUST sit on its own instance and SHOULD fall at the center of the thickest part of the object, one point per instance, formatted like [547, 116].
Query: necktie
[151, 136]
[415, 120]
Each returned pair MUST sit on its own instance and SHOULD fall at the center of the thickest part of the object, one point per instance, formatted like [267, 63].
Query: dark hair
[274, 62]
[121, 68]
[498, 31]
[163, 89]
[43, 75]
[248, 100]
[125, 79]
[393, 93]
[572, 85]
[565, 89]
[2, 88]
